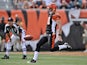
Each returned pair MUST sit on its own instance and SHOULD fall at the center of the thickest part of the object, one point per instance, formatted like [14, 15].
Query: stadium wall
[34, 21]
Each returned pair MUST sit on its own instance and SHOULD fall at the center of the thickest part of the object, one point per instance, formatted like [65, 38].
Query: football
[28, 37]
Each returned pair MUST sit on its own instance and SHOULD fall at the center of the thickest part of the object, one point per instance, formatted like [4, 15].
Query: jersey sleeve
[20, 30]
[6, 30]
[56, 16]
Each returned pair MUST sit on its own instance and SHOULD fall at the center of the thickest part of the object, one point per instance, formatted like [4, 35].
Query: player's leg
[18, 46]
[17, 42]
[2, 38]
[23, 44]
[14, 41]
[8, 48]
[62, 46]
[2, 45]
[42, 41]
[14, 47]
[52, 41]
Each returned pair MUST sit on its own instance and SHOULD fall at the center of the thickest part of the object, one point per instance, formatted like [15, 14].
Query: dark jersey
[2, 26]
[51, 24]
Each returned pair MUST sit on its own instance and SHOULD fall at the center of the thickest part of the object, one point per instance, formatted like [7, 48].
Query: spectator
[84, 4]
[25, 5]
[20, 4]
[80, 2]
[67, 1]
[39, 3]
[77, 6]
[43, 6]
[55, 2]
[2, 34]
[15, 2]
[59, 3]
[31, 4]
[71, 4]
[64, 5]
[47, 2]
[74, 2]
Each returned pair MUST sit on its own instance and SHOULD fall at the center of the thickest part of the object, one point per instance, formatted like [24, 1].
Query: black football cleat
[24, 57]
[33, 61]
[5, 57]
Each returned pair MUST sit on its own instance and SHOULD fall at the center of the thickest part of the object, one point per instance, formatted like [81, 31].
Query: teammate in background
[16, 46]
[13, 34]
[50, 35]
[23, 34]
[2, 34]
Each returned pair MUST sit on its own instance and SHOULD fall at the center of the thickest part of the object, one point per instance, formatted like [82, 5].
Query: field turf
[46, 58]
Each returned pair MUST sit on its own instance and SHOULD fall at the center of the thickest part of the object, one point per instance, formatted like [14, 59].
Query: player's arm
[60, 30]
[7, 34]
[60, 27]
[20, 33]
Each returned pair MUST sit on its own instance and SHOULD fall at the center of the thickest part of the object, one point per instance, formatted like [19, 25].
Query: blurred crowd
[43, 4]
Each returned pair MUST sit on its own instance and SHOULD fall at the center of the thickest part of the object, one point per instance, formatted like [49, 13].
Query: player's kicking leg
[60, 47]
[64, 46]
[42, 41]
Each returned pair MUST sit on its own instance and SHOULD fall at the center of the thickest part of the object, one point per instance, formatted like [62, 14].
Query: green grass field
[44, 59]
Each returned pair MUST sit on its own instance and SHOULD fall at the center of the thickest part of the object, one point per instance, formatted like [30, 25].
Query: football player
[50, 35]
